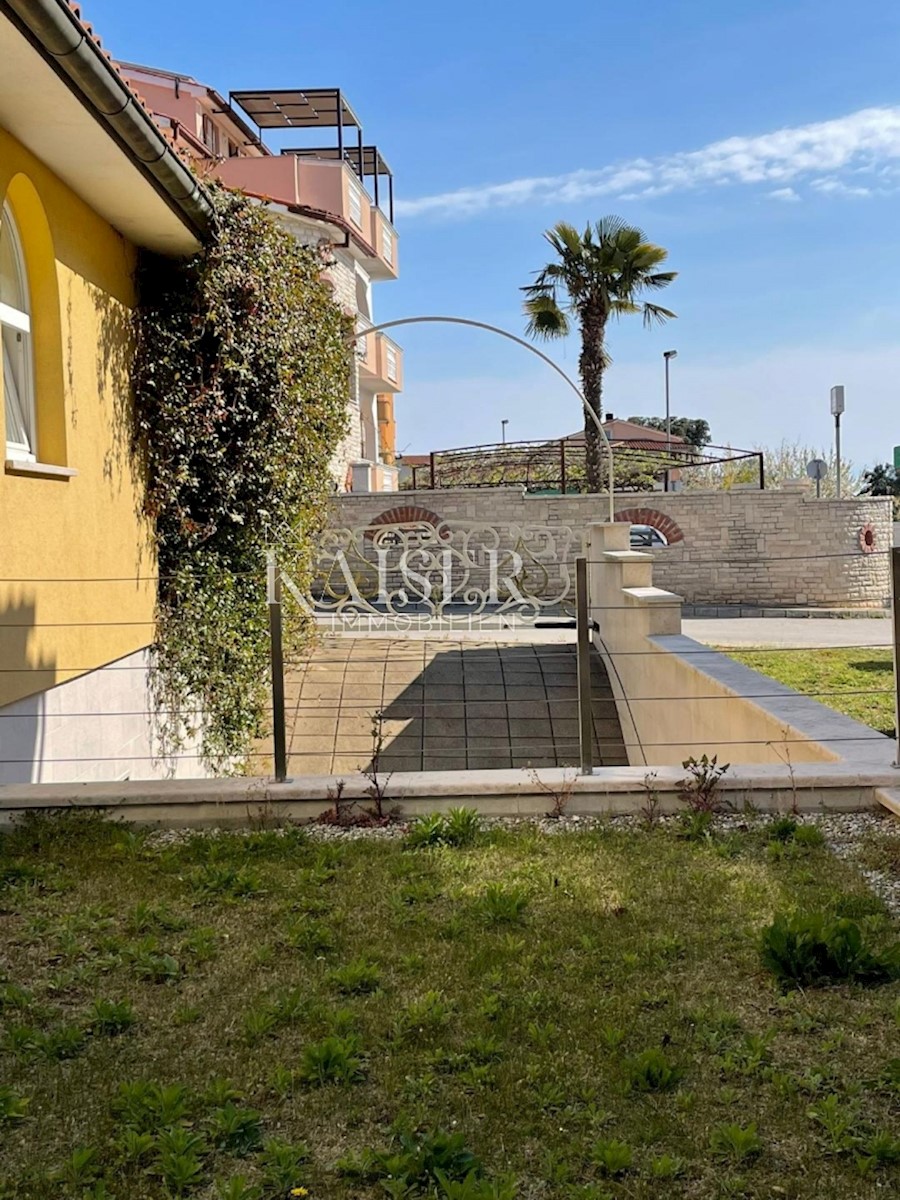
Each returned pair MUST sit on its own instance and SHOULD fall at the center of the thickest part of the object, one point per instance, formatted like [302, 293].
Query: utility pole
[503, 425]
[667, 355]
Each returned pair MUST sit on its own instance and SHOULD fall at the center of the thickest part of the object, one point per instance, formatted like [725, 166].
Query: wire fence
[500, 698]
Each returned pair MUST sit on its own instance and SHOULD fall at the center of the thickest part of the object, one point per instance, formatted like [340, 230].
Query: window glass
[15, 336]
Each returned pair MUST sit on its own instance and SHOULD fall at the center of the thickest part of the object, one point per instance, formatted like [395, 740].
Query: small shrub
[356, 978]
[735, 1142]
[612, 1157]
[111, 1017]
[651, 1071]
[502, 905]
[818, 949]
[333, 1060]
[236, 1130]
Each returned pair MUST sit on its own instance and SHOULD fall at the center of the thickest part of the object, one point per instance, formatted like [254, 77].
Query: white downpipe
[528, 346]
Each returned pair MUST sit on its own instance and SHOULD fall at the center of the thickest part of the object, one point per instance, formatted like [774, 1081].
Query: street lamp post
[837, 407]
[503, 425]
[667, 355]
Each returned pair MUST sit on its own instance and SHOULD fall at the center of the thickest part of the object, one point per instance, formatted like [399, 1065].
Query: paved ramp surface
[447, 705]
[800, 633]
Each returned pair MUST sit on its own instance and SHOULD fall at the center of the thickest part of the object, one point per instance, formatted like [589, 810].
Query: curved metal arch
[512, 337]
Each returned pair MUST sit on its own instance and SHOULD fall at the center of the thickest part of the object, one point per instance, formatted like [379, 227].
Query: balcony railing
[380, 359]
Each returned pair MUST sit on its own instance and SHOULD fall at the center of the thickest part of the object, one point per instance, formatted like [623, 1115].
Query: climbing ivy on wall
[241, 386]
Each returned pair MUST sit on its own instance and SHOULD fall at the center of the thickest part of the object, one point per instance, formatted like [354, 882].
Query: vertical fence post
[276, 660]
[762, 472]
[895, 604]
[562, 466]
[431, 466]
[582, 633]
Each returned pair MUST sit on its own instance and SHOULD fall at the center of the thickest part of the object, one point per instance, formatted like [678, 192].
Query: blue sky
[499, 119]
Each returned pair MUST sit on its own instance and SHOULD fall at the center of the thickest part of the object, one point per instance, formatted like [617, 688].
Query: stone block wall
[744, 546]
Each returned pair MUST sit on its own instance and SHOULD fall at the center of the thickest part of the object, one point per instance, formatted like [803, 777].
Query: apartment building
[332, 191]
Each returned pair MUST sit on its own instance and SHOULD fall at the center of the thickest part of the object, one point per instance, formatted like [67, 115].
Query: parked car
[645, 537]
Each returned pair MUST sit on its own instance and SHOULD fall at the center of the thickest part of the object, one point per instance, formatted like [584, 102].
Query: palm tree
[596, 275]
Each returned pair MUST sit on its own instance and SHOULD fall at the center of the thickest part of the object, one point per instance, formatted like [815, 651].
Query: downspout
[55, 29]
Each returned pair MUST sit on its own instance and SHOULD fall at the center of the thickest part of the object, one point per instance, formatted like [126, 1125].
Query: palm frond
[656, 315]
[545, 318]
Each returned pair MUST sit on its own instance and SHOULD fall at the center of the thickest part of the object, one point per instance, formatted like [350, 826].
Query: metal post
[895, 603]
[837, 454]
[762, 472]
[562, 466]
[432, 469]
[582, 633]
[276, 659]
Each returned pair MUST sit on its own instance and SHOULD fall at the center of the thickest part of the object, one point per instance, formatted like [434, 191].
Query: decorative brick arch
[652, 516]
[405, 514]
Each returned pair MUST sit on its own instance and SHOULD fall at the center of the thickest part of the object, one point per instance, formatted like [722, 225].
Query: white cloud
[862, 143]
[787, 194]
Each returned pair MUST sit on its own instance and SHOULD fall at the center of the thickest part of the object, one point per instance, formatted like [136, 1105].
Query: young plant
[111, 1017]
[378, 780]
[700, 787]
[613, 1158]
[560, 794]
[333, 1060]
[221, 879]
[80, 1169]
[501, 905]
[237, 1188]
[817, 949]
[13, 1108]
[651, 1071]
[357, 978]
[735, 1142]
[281, 1164]
[235, 1130]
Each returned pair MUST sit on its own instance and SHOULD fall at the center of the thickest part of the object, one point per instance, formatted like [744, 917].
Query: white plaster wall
[95, 727]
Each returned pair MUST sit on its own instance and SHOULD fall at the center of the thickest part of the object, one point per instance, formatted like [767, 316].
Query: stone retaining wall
[741, 546]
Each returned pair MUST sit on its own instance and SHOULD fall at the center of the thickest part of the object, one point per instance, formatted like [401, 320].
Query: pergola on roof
[296, 108]
[373, 162]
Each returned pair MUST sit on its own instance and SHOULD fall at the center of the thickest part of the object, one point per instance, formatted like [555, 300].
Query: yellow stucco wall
[87, 528]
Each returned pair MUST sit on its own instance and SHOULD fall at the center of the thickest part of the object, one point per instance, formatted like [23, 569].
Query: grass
[578, 1016]
[857, 683]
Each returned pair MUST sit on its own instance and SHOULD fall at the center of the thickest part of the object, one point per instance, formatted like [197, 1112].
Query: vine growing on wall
[241, 386]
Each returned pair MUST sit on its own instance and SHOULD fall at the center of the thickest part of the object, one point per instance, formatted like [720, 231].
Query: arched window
[15, 331]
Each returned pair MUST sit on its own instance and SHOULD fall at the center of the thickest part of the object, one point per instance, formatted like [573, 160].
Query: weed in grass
[425, 1014]
[612, 1157]
[356, 978]
[458, 827]
[80, 1169]
[418, 1162]
[735, 1142]
[474, 1187]
[668, 1166]
[333, 1060]
[201, 945]
[134, 1147]
[281, 1164]
[308, 936]
[837, 1121]
[700, 787]
[180, 1173]
[283, 1082]
[502, 904]
[111, 1017]
[224, 880]
[154, 918]
[14, 997]
[235, 1130]
[782, 829]
[259, 1023]
[237, 1188]
[880, 1149]
[651, 1071]
[57, 1044]
[817, 949]
[148, 1106]
[695, 825]
[611, 1037]
[13, 1108]
[187, 1014]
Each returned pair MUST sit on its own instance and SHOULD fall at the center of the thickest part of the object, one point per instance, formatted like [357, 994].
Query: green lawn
[586, 1014]
[855, 682]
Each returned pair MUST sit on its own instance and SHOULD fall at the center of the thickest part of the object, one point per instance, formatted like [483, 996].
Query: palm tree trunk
[590, 365]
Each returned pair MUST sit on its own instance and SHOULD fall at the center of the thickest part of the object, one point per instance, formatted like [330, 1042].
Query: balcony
[380, 362]
[332, 188]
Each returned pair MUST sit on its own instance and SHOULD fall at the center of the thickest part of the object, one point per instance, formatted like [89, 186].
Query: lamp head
[670, 353]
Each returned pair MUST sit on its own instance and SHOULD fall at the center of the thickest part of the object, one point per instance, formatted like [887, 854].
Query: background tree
[784, 462]
[694, 430]
[882, 480]
[596, 275]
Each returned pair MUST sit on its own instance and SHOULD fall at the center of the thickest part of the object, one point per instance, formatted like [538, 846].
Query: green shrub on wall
[241, 387]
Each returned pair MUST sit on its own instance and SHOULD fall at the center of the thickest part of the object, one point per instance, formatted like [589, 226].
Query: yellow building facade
[87, 181]
[78, 577]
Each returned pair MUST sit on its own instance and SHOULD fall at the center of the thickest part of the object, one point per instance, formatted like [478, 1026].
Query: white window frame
[207, 124]
[390, 359]
[20, 321]
[387, 245]
[354, 204]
